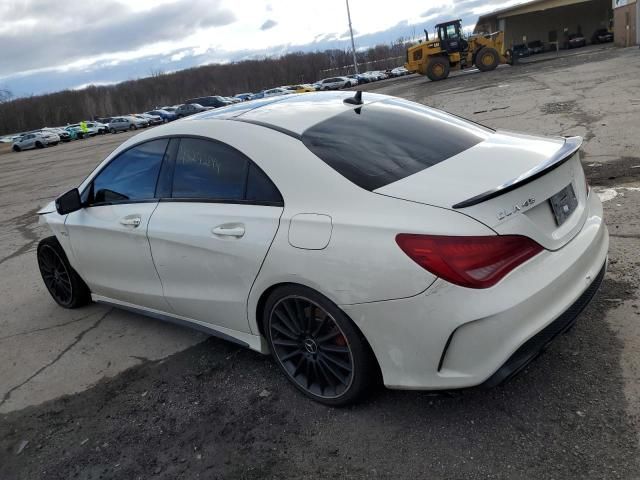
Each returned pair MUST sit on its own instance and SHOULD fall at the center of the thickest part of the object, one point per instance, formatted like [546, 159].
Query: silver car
[189, 109]
[335, 83]
[39, 139]
[121, 124]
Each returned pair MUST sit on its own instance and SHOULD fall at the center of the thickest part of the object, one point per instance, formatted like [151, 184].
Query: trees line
[69, 106]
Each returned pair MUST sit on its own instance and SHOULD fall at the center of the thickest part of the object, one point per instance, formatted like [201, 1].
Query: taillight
[474, 262]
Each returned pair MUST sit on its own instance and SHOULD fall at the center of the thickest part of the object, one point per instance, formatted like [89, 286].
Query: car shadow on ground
[220, 411]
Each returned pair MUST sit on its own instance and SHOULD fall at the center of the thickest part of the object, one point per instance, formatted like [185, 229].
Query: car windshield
[386, 141]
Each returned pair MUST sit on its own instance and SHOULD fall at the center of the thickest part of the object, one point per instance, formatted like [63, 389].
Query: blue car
[165, 115]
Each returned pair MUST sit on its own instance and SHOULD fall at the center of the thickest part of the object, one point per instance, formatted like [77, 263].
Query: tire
[487, 59]
[39, 145]
[438, 68]
[16, 148]
[54, 144]
[112, 130]
[63, 283]
[317, 347]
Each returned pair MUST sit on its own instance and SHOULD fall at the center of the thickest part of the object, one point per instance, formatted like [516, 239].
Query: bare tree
[5, 95]
[160, 88]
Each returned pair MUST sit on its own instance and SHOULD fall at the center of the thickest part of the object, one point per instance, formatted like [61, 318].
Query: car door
[109, 235]
[28, 141]
[211, 233]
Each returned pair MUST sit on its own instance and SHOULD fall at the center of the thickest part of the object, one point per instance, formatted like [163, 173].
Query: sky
[50, 45]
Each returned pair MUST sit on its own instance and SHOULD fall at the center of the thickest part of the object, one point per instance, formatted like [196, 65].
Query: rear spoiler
[570, 146]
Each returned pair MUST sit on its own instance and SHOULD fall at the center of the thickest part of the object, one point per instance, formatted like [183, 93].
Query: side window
[131, 176]
[209, 170]
[260, 188]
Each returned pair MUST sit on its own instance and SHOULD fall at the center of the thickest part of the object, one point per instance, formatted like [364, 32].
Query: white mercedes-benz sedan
[353, 237]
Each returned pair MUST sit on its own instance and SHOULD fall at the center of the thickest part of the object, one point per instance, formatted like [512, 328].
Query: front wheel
[438, 68]
[39, 145]
[62, 281]
[316, 345]
[112, 130]
[487, 59]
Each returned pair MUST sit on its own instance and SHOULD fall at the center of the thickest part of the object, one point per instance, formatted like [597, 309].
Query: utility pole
[353, 45]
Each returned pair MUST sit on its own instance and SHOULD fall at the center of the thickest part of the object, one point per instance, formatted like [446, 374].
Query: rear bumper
[455, 337]
[538, 343]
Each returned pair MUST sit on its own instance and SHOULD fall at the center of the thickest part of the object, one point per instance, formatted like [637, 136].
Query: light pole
[353, 45]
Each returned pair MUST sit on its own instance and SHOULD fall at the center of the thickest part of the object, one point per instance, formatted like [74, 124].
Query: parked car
[363, 78]
[353, 81]
[214, 101]
[171, 109]
[152, 119]
[165, 115]
[99, 127]
[257, 96]
[38, 139]
[334, 83]
[189, 109]
[520, 50]
[244, 96]
[399, 72]
[104, 120]
[76, 132]
[61, 132]
[535, 46]
[122, 124]
[302, 88]
[275, 92]
[576, 40]
[602, 35]
[139, 120]
[450, 265]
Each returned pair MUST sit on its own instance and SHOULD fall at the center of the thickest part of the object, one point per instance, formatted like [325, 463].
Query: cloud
[97, 28]
[49, 45]
[268, 24]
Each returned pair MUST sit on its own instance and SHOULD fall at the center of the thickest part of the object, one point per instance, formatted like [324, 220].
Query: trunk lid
[506, 182]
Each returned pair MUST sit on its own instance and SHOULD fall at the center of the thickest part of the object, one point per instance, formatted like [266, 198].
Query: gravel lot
[99, 393]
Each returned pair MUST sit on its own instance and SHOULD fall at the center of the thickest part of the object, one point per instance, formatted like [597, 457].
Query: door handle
[131, 221]
[229, 230]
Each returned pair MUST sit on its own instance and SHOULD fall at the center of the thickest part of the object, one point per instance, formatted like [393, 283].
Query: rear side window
[260, 188]
[209, 170]
[213, 171]
[131, 176]
[386, 141]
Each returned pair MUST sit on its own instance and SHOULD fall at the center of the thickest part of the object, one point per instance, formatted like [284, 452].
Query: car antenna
[355, 100]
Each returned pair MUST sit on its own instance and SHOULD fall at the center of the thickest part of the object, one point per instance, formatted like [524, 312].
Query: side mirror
[68, 202]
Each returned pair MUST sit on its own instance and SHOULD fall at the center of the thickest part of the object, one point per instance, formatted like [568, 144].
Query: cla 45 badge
[504, 213]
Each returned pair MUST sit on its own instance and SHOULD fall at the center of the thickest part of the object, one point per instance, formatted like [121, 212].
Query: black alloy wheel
[55, 275]
[63, 283]
[316, 345]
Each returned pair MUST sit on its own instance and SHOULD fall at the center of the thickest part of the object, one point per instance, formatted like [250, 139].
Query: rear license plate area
[563, 204]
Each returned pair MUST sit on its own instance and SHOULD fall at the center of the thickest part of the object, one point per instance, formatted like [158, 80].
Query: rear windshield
[383, 142]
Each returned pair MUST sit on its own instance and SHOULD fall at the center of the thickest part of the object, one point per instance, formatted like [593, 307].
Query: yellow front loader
[451, 51]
